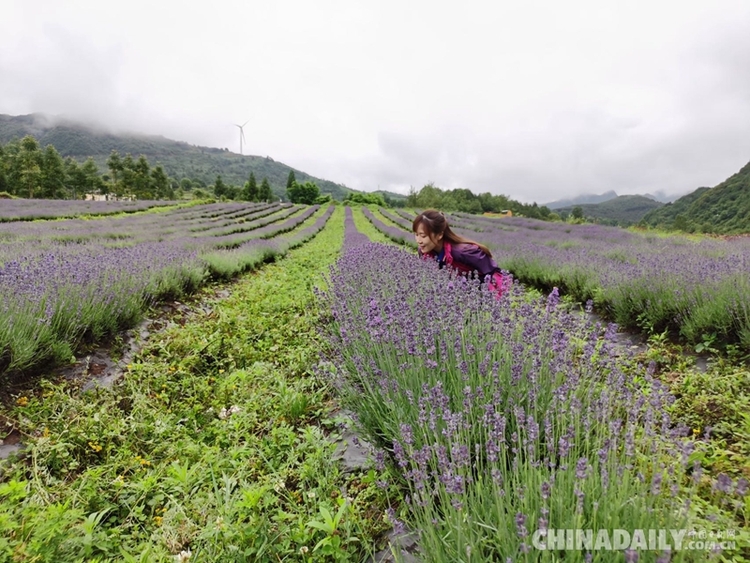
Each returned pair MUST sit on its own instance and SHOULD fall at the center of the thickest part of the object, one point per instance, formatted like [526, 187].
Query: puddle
[10, 444]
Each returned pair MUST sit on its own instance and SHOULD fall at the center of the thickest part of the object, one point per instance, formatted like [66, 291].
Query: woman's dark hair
[435, 223]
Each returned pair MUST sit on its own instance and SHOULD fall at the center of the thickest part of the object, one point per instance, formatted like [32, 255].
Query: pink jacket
[468, 258]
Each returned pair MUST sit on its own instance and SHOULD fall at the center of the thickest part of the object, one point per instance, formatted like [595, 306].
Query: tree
[3, 171]
[305, 193]
[430, 197]
[142, 178]
[291, 179]
[91, 178]
[161, 188]
[53, 174]
[127, 180]
[233, 192]
[411, 199]
[75, 178]
[220, 188]
[114, 163]
[577, 212]
[265, 193]
[30, 170]
[681, 223]
[250, 191]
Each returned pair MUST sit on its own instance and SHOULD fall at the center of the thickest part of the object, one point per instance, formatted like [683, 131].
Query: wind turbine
[242, 133]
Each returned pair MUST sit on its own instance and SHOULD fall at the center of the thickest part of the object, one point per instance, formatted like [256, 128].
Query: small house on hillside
[503, 213]
[108, 197]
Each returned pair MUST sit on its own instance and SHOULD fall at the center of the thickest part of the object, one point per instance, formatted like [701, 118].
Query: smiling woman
[436, 240]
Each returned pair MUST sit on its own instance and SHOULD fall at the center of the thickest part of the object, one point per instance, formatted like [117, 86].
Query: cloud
[535, 100]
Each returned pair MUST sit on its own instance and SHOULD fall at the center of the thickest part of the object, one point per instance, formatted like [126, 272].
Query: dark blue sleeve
[473, 257]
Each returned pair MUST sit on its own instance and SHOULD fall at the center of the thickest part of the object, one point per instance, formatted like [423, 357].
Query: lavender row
[224, 264]
[56, 300]
[393, 233]
[501, 417]
[103, 235]
[249, 213]
[33, 209]
[352, 236]
[478, 222]
[400, 221]
[277, 228]
[409, 216]
[242, 230]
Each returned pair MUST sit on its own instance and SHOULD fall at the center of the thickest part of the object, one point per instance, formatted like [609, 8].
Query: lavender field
[698, 289]
[65, 282]
[490, 421]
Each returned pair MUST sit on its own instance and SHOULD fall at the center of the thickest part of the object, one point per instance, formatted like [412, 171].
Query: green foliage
[305, 193]
[463, 200]
[365, 199]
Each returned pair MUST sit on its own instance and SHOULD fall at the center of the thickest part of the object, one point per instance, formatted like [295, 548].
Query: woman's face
[427, 242]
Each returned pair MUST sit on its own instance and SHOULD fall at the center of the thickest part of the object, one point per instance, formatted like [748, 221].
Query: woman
[436, 240]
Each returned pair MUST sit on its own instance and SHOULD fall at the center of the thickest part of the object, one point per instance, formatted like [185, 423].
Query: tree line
[466, 201]
[27, 170]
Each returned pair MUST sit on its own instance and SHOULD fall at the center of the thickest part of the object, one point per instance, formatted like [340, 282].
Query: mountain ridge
[582, 199]
[723, 209]
[623, 210]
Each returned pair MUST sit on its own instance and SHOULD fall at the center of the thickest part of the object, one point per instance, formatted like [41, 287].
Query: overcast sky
[535, 100]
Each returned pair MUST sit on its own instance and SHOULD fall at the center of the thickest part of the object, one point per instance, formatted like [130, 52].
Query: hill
[665, 216]
[622, 210]
[179, 160]
[723, 209]
[584, 199]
